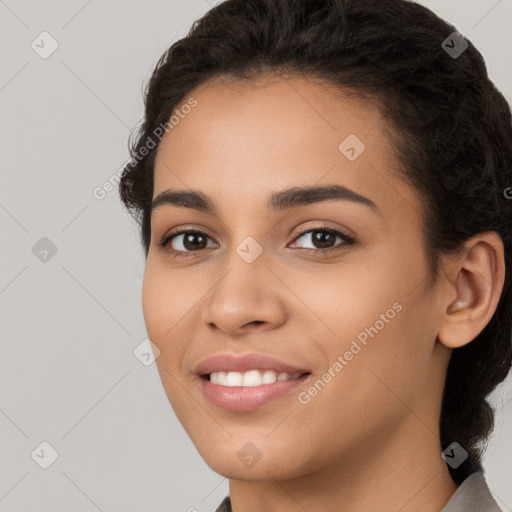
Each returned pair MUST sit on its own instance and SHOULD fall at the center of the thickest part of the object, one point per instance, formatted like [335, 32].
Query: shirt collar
[472, 495]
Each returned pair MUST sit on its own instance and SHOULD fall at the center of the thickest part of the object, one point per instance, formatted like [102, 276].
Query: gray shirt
[472, 495]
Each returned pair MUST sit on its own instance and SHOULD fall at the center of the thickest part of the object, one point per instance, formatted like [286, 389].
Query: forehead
[243, 140]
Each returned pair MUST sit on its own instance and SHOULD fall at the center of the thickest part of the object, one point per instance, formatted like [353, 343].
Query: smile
[250, 378]
[248, 391]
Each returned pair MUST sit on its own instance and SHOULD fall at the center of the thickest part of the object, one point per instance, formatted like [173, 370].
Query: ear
[476, 280]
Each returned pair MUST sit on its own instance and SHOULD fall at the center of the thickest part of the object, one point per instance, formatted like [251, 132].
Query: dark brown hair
[454, 140]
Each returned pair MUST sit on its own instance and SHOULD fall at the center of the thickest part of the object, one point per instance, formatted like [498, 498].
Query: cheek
[166, 301]
[164, 305]
[349, 297]
[153, 305]
[163, 309]
[372, 381]
[374, 323]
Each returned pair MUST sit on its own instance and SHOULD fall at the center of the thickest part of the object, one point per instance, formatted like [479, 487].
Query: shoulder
[225, 506]
[472, 495]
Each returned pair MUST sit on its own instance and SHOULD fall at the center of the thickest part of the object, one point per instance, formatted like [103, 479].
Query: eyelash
[348, 240]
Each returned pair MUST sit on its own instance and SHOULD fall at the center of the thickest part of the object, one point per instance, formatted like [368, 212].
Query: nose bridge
[247, 238]
[243, 293]
[249, 250]
[245, 272]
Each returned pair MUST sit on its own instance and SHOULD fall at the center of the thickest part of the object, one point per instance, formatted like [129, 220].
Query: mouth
[246, 382]
[248, 391]
[251, 378]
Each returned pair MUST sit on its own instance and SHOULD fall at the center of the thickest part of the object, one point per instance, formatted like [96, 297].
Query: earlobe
[478, 283]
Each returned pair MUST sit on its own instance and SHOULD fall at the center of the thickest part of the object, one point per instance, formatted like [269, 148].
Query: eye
[186, 241]
[323, 239]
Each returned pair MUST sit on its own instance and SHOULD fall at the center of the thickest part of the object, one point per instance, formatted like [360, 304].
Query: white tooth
[221, 378]
[234, 379]
[251, 378]
[269, 377]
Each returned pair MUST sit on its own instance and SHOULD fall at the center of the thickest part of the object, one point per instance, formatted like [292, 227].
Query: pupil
[189, 244]
[194, 240]
[322, 238]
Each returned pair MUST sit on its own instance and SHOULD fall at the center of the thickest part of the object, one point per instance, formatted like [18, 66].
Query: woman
[323, 189]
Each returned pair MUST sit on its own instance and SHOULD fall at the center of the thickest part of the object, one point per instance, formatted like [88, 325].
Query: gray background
[70, 324]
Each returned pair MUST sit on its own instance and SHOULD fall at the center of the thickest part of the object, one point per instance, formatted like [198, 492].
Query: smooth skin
[369, 440]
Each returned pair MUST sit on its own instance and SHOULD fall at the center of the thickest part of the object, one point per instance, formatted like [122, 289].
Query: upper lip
[241, 363]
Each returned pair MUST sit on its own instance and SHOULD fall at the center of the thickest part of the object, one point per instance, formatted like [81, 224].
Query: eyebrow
[278, 201]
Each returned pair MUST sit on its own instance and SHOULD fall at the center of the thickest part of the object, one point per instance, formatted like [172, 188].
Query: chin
[247, 462]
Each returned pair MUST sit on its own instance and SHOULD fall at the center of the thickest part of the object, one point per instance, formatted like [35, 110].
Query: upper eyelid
[337, 231]
[182, 231]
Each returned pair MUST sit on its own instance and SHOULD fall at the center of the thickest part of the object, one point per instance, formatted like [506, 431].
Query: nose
[247, 297]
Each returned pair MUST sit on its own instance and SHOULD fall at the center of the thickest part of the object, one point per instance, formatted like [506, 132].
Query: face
[332, 284]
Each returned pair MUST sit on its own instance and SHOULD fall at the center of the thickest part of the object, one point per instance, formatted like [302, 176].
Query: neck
[405, 473]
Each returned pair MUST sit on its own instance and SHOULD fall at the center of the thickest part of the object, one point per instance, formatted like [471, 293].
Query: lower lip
[245, 399]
